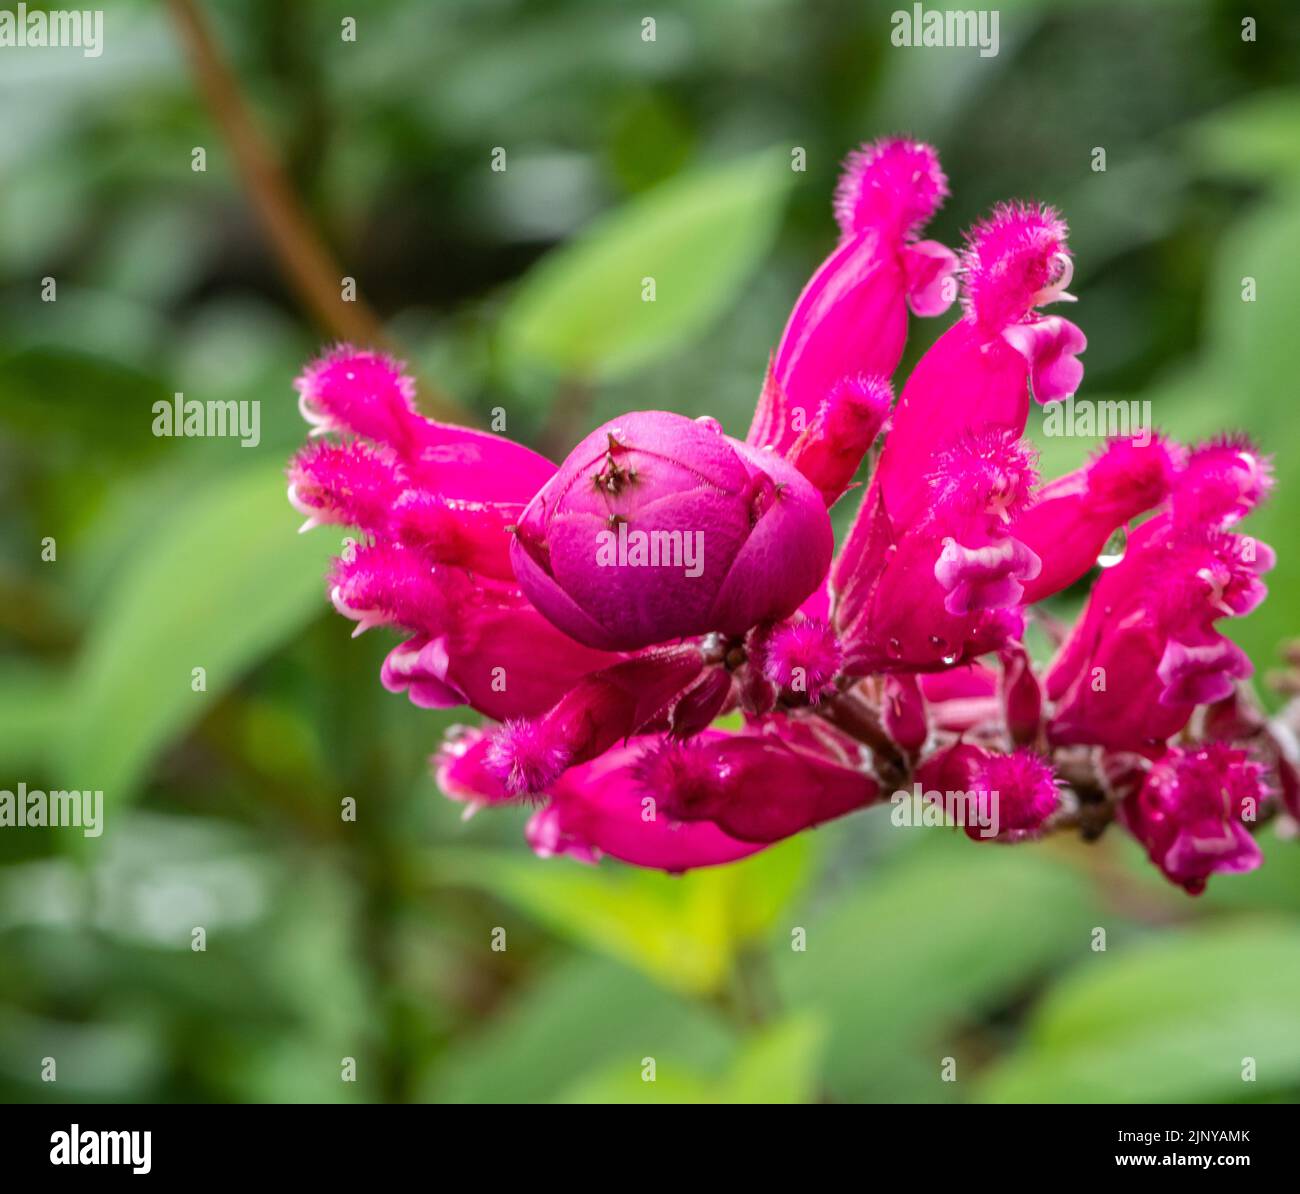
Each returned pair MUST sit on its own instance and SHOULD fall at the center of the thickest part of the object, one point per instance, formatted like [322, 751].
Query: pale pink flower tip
[1015, 260]
[893, 183]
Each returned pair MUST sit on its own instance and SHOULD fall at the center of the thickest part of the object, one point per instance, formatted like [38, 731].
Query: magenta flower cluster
[609, 616]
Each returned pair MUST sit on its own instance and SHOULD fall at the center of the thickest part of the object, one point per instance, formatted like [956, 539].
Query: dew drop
[711, 423]
[1113, 551]
[894, 648]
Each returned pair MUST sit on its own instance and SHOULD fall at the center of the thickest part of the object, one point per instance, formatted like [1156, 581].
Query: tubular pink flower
[493, 652]
[1073, 517]
[1189, 814]
[356, 392]
[386, 584]
[657, 527]
[614, 703]
[852, 316]
[359, 393]
[602, 808]
[527, 756]
[468, 534]
[1145, 651]
[755, 789]
[944, 586]
[976, 378]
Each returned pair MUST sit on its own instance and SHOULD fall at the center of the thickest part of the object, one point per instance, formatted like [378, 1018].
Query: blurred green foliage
[520, 291]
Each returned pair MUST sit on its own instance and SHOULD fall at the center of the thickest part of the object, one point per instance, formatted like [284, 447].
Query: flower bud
[658, 527]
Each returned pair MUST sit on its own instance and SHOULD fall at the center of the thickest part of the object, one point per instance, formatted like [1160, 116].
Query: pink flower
[1191, 814]
[603, 808]
[1146, 650]
[755, 788]
[606, 706]
[657, 527]
[604, 615]
[945, 586]
[1073, 517]
[851, 319]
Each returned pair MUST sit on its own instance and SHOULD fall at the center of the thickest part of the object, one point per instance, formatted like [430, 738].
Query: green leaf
[1257, 138]
[586, 1016]
[684, 931]
[1171, 1022]
[949, 932]
[222, 581]
[31, 698]
[699, 235]
[779, 1065]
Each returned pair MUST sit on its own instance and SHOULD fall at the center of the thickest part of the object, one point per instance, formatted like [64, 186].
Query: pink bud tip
[355, 390]
[894, 184]
[1224, 480]
[525, 756]
[1014, 261]
[1129, 476]
[803, 658]
[860, 400]
[1024, 786]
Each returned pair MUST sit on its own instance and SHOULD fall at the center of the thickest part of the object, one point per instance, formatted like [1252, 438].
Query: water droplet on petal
[950, 658]
[711, 423]
[1113, 550]
[894, 648]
